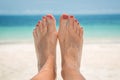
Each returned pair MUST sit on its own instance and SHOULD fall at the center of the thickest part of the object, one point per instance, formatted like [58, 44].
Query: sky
[60, 6]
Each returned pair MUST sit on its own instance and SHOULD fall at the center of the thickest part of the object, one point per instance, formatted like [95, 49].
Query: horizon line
[69, 13]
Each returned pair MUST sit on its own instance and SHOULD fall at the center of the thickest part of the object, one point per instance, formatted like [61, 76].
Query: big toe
[51, 23]
[63, 21]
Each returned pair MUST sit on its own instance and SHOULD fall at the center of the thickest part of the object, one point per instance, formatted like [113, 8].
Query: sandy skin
[45, 35]
[71, 40]
[70, 36]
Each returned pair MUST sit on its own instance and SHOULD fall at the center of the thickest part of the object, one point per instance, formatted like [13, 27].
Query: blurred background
[99, 18]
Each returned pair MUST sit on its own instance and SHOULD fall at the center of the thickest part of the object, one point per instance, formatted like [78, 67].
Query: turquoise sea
[96, 27]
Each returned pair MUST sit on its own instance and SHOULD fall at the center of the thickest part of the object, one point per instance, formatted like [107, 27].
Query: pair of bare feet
[70, 37]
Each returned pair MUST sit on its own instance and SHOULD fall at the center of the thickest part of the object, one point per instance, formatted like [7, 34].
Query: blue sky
[59, 6]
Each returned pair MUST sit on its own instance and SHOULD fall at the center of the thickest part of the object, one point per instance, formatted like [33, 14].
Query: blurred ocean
[16, 28]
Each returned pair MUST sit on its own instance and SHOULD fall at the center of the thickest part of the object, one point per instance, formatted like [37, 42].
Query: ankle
[71, 74]
[49, 66]
[67, 71]
[68, 65]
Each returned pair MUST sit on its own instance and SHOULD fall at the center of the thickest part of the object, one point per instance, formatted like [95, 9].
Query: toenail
[65, 16]
[49, 16]
[71, 16]
[43, 17]
[38, 21]
[75, 20]
[78, 23]
[37, 25]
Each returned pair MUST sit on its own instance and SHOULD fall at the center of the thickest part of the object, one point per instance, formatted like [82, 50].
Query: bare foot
[71, 40]
[45, 38]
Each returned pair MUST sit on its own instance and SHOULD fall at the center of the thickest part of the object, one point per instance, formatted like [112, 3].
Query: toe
[75, 26]
[44, 24]
[35, 34]
[63, 27]
[38, 29]
[39, 25]
[81, 32]
[71, 22]
[51, 23]
[63, 21]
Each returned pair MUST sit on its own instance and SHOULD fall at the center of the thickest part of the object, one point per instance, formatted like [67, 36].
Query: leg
[71, 40]
[47, 72]
[45, 39]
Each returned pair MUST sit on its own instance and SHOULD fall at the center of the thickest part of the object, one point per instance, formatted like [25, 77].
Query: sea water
[17, 28]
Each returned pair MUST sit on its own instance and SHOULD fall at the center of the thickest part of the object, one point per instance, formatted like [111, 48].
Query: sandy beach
[100, 61]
